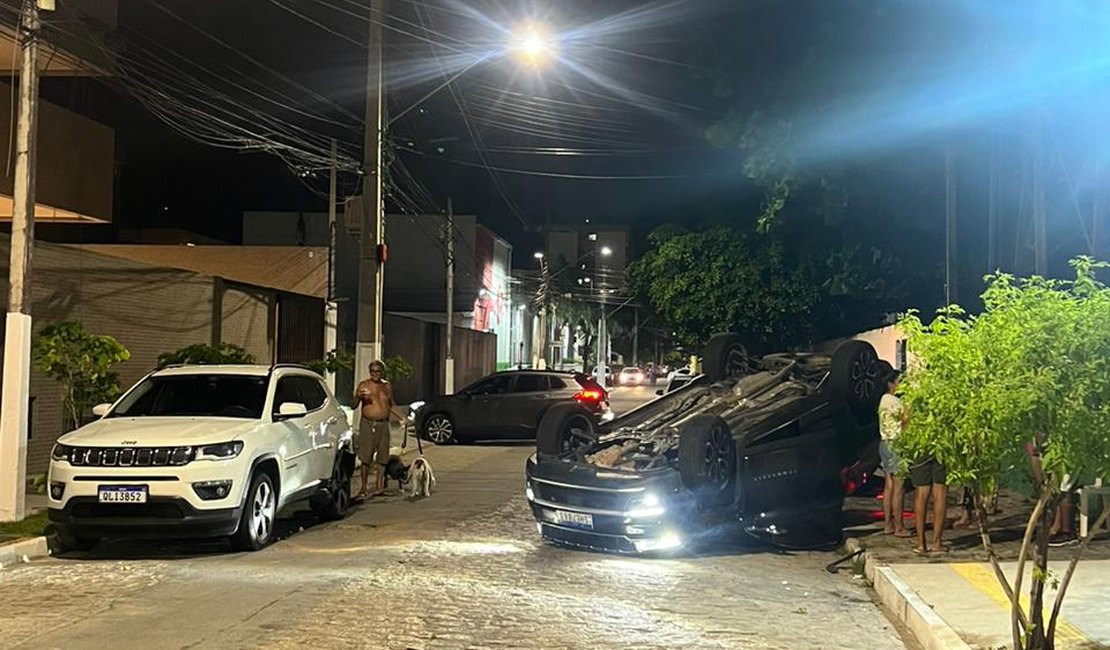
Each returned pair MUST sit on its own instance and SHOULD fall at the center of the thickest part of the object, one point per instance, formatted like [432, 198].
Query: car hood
[159, 431]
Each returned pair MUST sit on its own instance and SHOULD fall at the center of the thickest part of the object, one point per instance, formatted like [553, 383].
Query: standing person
[374, 402]
[892, 419]
[653, 374]
[931, 479]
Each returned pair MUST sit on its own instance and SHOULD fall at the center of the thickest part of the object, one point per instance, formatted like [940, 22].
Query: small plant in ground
[205, 354]
[82, 363]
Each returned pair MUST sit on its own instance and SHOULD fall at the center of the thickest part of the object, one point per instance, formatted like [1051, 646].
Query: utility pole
[449, 235]
[951, 279]
[331, 309]
[992, 206]
[17, 335]
[1040, 230]
[371, 245]
[636, 337]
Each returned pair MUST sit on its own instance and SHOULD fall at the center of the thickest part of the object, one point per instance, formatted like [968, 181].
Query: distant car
[203, 451]
[505, 405]
[683, 371]
[631, 376]
[676, 382]
[609, 375]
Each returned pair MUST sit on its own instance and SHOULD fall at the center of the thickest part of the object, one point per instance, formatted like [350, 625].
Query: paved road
[463, 569]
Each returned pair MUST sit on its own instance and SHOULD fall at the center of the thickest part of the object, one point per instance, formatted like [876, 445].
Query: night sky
[621, 127]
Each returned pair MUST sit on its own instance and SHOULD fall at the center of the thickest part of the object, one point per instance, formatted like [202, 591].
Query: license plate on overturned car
[121, 494]
[577, 519]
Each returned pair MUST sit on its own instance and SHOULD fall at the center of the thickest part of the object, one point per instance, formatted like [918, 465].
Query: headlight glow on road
[667, 541]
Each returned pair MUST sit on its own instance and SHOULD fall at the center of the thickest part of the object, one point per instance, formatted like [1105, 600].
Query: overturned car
[768, 445]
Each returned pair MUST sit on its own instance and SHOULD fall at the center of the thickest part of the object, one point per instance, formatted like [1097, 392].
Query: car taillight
[589, 395]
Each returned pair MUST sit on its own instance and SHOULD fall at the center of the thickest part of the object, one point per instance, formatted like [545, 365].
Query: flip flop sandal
[920, 551]
[904, 534]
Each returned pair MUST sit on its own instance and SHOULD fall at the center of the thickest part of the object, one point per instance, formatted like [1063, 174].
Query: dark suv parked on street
[506, 405]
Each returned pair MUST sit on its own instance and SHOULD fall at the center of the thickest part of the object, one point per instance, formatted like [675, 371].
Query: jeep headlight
[650, 505]
[221, 451]
[60, 451]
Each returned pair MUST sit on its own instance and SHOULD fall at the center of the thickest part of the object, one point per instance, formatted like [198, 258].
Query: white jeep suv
[203, 451]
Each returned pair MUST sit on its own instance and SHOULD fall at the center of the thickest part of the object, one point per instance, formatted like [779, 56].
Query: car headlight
[221, 451]
[60, 451]
[650, 505]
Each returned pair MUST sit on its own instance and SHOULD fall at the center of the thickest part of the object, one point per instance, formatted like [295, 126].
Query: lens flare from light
[534, 46]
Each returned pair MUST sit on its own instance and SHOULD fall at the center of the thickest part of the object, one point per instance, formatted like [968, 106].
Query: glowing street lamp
[533, 45]
[606, 251]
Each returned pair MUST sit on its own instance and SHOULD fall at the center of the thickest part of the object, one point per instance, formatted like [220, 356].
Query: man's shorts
[888, 460]
[373, 441]
[929, 472]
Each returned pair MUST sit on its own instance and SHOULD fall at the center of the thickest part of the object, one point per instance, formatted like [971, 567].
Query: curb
[930, 630]
[33, 548]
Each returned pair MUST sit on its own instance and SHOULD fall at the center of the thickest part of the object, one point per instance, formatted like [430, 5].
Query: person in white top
[892, 419]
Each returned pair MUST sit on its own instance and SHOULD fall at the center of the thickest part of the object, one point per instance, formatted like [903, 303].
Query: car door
[480, 408]
[529, 396]
[296, 439]
[321, 424]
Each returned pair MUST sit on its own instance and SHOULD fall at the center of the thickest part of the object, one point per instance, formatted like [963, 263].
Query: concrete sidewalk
[954, 601]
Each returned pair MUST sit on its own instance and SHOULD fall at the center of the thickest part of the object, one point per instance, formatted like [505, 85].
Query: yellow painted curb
[982, 578]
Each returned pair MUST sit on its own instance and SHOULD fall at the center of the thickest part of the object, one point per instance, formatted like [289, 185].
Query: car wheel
[335, 504]
[439, 429]
[76, 543]
[256, 524]
[565, 429]
[707, 460]
[725, 356]
[854, 378]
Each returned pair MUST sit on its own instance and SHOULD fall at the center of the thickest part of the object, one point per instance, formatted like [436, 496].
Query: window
[312, 393]
[528, 383]
[556, 383]
[211, 395]
[495, 385]
[286, 391]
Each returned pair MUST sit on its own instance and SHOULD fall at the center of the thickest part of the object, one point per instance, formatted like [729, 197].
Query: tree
[1017, 396]
[204, 354]
[722, 279]
[82, 363]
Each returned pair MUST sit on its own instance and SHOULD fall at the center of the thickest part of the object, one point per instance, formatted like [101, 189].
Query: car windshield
[210, 395]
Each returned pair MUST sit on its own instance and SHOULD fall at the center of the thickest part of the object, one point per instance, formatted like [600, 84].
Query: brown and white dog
[420, 480]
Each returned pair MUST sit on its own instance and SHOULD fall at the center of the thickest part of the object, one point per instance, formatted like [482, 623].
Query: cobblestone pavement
[463, 569]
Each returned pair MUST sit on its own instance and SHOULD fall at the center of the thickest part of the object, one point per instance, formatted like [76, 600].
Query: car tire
[336, 502]
[724, 357]
[440, 429]
[75, 542]
[854, 379]
[566, 428]
[256, 523]
[707, 460]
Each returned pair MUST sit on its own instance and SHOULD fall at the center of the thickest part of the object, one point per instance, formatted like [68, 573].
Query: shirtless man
[374, 402]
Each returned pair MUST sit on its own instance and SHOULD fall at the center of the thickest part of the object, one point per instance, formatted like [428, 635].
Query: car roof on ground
[216, 369]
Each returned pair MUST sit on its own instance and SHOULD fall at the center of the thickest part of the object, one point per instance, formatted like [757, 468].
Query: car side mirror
[659, 392]
[290, 410]
[100, 410]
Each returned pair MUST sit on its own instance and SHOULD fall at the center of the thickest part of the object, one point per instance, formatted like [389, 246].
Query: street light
[606, 251]
[538, 255]
[533, 45]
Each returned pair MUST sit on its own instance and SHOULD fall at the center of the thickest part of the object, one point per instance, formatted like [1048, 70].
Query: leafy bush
[82, 363]
[204, 354]
[396, 368]
[333, 362]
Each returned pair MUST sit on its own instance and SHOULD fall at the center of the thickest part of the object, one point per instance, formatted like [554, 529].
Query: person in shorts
[931, 478]
[892, 419]
[374, 403]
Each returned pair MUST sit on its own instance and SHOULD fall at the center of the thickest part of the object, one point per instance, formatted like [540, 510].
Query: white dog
[421, 479]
